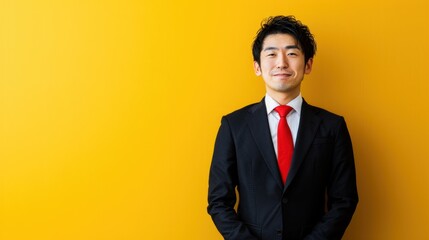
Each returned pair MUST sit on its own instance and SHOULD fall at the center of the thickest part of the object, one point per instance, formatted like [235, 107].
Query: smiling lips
[282, 74]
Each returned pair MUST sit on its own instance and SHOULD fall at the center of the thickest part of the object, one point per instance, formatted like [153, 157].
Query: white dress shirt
[292, 118]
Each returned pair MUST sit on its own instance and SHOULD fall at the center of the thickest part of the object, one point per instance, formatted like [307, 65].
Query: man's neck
[283, 98]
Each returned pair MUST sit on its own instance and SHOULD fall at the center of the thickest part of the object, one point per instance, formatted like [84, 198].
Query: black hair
[286, 25]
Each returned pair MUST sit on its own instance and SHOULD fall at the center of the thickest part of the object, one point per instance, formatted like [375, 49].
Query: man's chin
[285, 89]
[282, 88]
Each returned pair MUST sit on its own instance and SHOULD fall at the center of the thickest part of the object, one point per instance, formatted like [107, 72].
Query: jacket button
[284, 200]
[279, 232]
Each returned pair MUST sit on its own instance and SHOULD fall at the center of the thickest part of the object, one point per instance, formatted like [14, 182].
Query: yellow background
[109, 110]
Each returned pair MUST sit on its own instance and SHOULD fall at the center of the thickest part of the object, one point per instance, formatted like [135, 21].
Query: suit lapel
[260, 130]
[308, 126]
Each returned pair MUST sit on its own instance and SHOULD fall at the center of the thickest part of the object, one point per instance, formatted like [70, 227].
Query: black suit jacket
[319, 196]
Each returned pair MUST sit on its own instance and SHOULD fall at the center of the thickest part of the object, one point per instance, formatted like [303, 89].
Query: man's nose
[282, 61]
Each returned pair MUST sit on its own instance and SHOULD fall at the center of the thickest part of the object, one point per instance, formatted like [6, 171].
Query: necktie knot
[283, 110]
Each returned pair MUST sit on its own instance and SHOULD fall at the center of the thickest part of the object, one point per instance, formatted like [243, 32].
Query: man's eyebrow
[287, 47]
[270, 48]
[292, 47]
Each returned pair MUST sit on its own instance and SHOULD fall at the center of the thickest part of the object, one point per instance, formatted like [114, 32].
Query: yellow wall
[109, 110]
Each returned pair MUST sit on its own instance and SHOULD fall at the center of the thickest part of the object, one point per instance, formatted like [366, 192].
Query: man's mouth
[282, 74]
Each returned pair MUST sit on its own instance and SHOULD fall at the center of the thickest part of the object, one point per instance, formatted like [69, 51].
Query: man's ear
[308, 66]
[257, 68]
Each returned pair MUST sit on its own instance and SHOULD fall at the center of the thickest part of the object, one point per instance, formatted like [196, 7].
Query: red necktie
[284, 142]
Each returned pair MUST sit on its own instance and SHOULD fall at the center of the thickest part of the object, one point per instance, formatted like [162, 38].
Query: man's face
[282, 65]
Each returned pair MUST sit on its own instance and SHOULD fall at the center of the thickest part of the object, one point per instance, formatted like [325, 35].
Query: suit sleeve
[341, 190]
[222, 183]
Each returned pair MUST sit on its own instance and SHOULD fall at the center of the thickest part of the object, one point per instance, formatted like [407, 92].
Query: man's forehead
[280, 40]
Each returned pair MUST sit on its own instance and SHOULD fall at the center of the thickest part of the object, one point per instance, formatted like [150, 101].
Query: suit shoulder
[325, 114]
[241, 113]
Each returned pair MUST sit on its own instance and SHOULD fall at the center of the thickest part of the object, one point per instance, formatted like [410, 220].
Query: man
[290, 163]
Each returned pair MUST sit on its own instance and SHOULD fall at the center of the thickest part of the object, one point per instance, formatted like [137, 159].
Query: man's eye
[270, 54]
[292, 54]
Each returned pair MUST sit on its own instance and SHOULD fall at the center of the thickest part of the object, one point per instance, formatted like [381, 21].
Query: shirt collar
[296, 103]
